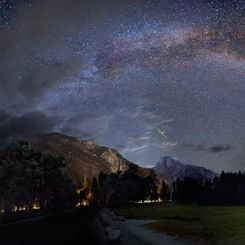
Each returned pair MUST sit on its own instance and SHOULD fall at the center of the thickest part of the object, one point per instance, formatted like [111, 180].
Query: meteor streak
[162, 133]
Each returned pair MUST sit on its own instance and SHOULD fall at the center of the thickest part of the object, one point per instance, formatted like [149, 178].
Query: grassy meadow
[221, 225]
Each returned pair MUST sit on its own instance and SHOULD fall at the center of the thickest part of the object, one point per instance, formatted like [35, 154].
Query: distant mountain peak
[170, 168]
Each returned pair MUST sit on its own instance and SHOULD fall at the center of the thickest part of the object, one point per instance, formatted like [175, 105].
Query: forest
[226, 189]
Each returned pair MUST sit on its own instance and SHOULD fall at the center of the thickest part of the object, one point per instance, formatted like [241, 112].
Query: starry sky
[148, 78]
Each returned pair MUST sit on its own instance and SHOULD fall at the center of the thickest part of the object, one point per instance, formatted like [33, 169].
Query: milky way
[120, 72]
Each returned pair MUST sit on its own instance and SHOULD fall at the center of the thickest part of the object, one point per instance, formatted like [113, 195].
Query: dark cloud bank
[14, 128]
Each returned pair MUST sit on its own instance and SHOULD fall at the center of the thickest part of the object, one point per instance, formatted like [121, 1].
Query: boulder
[104, 218]
[112, 215]
[121, 218]
[114, 235]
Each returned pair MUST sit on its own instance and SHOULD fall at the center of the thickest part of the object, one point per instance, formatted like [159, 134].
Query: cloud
[209, 148]
[137, 148]
[88, 126]
[195, 147]
[18, 127]
[219, 148]
[3, 116]
[37, 55]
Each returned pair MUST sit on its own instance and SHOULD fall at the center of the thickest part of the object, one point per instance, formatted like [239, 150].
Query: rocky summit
[170, 168]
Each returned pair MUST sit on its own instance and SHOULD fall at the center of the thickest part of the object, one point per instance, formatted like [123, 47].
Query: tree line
[123, 188]
[226, 189]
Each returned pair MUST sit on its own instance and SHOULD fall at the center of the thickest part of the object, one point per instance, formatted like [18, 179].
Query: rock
[121, 218]
[105, 221]
[114, 235]
[112, 215]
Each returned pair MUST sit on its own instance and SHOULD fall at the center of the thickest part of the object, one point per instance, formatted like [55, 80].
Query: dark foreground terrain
[68, 228]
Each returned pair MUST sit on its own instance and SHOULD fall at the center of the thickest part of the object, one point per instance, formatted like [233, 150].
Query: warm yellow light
[149, 201]
[14, 209]
[82, 203]
[90, 195]
[85, 203]
[78, 191]
[36, 206]
[23, 208]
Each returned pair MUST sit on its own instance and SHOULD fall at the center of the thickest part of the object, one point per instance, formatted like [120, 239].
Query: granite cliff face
[84, 159]
[169, 169]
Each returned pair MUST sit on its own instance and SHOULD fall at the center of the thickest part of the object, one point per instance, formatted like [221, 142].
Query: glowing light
[78, 191]
[82, 203]
[36, 206]
[90, 196]
[150, 201]
[14, 209]
[85, 203]
[23, 208]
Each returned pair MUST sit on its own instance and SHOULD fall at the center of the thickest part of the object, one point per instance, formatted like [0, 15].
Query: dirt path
[147, 236]
[134, 232]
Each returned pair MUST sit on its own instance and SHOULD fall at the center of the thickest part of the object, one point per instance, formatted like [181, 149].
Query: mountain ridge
[84, 159]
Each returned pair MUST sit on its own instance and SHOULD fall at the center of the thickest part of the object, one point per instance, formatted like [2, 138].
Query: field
[221, 225]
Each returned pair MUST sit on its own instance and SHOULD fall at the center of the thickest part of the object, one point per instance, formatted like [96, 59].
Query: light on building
[36, 206]
[14, 209]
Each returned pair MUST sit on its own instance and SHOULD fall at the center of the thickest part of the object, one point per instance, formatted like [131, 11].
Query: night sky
[148, 78]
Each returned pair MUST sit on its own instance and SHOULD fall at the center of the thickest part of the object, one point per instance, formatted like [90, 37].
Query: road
[146, 236]
[134, 232]
[67, 228]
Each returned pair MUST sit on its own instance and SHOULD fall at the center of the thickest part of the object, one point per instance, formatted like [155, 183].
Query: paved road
[69, 228]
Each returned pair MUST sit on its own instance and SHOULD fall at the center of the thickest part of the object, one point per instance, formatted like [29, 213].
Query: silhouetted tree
[27, 176]
[187, 191]
[226, 189]
[151, 186]
[122, 188]
[164, 191]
